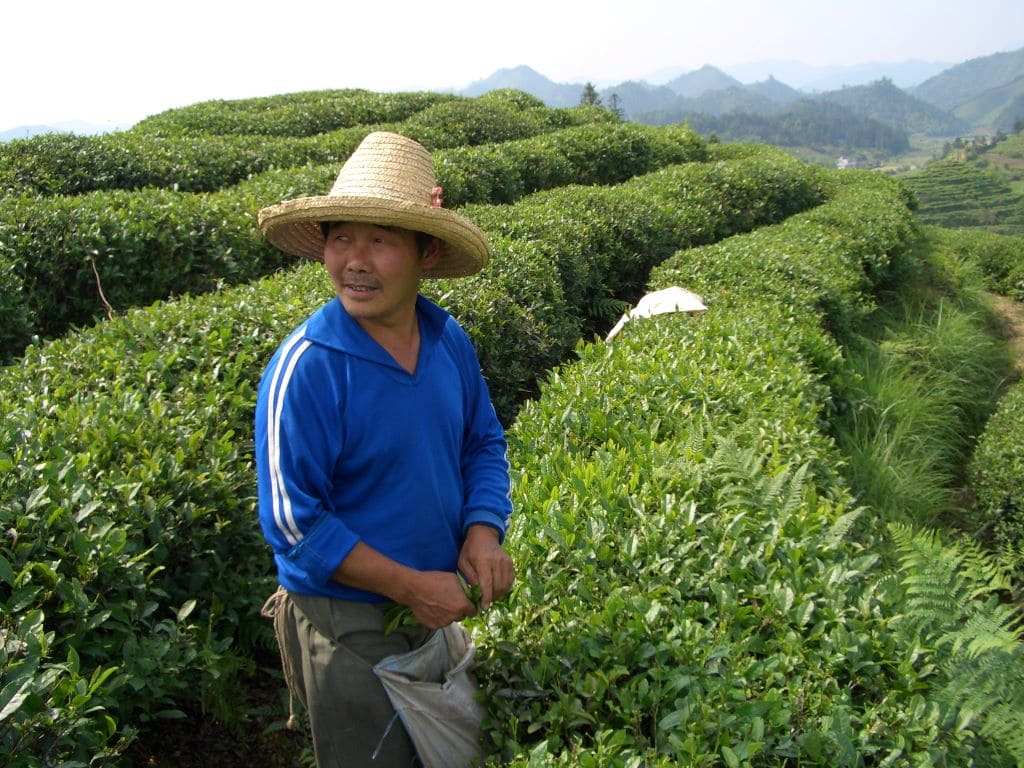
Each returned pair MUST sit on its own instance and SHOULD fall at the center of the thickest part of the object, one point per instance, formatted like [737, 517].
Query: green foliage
[149, 244]
[144, 245]
[590, 97]
[16, 318]
[1012, 146]
[126, 475]
[957, 194]
[923, 373]
[1000, 258]
[891, 105]
[511, 97]
[827, 258]
[687, 586]
[293, 114]
[997, 472]
[805, 123]
[966, 636]
[53, 164]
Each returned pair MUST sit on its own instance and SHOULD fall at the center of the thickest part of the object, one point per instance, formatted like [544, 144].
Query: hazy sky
[111, 61]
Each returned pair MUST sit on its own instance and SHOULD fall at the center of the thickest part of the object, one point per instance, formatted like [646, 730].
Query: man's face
[376, 270]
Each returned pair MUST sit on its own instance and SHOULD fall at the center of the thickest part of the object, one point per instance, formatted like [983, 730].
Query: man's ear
[431, 254]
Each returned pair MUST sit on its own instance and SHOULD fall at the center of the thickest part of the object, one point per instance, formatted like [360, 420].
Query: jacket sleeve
[298, 441]
[485, 470]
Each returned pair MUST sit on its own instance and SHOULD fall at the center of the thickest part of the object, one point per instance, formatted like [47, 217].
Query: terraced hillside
[707, 573]
[1006, 160]
[958, 194]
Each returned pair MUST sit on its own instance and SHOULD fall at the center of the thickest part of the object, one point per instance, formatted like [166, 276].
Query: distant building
[844, 162]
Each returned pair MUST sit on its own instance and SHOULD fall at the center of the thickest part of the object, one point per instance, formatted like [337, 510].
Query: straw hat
[388, 180]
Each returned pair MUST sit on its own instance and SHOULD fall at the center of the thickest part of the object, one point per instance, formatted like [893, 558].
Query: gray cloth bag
[433, 692]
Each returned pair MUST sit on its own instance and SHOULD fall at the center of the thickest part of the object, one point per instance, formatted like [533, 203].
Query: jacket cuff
[323, 549]
[484, 517]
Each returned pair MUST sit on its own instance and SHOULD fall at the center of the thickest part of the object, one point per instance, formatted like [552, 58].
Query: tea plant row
[63, 164]
[134, 569]
[294, 114]
[697, 584]
[148, 244]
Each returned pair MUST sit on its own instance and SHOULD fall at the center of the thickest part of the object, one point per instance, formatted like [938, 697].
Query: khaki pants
[331, 647]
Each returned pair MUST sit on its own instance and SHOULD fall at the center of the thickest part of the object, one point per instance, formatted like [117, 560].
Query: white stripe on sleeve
[275, 470]
[273, 434]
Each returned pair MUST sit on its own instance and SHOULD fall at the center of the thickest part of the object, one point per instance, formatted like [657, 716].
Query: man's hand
[437, 599]
[483, 562]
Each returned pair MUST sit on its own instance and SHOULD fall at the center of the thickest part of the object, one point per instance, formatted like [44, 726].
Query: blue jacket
[351, 447]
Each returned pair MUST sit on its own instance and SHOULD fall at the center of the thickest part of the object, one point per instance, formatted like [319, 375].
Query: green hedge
[293, 114]
[152, 243]
[999, 257]
[997, 471]
[127, 472]
[683, 582]
[997, 468]
[689, 591]
[16, 319]
[53, 164]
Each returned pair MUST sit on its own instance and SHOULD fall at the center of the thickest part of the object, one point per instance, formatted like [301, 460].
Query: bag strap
[276, 608]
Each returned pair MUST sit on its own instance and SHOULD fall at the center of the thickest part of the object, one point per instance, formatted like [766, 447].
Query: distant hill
[701, 81]
[639, 98]
[1011, 115]
[965, 81]
[890, 105]
[710, 91]
[524, 78]
[808, 77]
[775, 90]
[735, 99]
[68, 126]
[636, 97]
[807, 123]
[997, 108]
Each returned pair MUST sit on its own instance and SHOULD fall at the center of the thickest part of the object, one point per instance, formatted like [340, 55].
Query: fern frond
[842, 526]
[951, 603]
[995, 629]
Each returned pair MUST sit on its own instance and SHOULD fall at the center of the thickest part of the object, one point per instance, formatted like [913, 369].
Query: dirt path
[1012, 315]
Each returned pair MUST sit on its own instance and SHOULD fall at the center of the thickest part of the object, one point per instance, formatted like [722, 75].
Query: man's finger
[468, 571]
[507, 577]
[486, 586]
[470, 609]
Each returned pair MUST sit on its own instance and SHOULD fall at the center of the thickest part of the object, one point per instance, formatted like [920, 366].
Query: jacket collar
[333, 327]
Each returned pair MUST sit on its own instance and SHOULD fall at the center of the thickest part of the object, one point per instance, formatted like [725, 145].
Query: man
[380, 461]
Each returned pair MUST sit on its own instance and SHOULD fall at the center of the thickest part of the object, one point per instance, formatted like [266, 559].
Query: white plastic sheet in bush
[672, 299]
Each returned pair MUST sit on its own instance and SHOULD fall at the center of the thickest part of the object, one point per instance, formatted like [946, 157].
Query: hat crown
[387, 166]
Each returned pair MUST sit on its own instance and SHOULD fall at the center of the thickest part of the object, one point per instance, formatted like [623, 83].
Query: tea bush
[693, 583]
[65, 164]
[997, 467]
[997, 471]
[126, 482]
[922, 375]
[149, 244]
[999, 257]
[293, 114]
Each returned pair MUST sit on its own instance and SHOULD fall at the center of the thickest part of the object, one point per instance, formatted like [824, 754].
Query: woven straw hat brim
[294, 227]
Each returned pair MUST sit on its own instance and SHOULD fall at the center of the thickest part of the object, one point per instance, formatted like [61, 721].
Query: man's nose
[358, 256]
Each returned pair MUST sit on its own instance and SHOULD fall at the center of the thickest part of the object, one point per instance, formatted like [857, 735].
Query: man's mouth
[360, 287]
